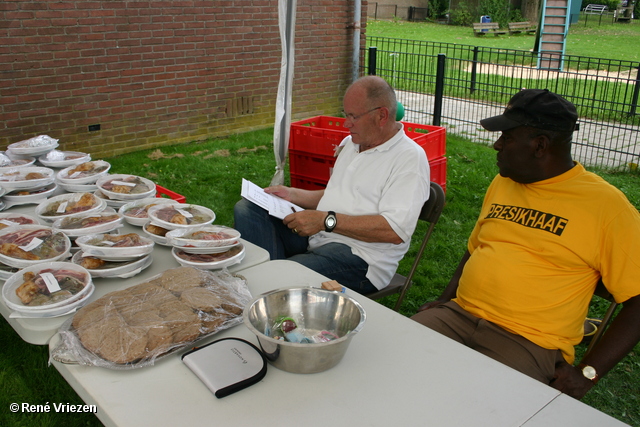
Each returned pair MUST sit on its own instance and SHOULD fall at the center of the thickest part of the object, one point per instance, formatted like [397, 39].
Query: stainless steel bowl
[317, 310]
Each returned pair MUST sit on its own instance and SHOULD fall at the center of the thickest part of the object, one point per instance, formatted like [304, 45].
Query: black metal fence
[476, 82]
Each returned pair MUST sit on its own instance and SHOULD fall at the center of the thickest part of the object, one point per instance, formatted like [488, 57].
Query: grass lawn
[609, 40]
[220, 166]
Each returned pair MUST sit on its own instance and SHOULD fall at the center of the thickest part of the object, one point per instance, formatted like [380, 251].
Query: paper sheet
[273, 204]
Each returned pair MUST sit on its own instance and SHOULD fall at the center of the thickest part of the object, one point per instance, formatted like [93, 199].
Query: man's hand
[280, 191]
[305, 223]
[569, 380]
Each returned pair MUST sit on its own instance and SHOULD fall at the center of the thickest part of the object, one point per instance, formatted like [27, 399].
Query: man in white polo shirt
[357, 229]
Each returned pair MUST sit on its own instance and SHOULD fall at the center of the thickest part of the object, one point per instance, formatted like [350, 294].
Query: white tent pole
[356, 39]
[287, 24]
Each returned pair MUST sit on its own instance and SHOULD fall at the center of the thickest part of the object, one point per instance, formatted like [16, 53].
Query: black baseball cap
[538, 108]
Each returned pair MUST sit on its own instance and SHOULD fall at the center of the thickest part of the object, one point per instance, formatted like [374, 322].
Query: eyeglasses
[354, 118]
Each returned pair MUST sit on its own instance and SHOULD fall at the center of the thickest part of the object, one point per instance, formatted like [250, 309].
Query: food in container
[31, 244]
[35, 146]
[82, 225]
[115, 247]
[213, 238]
[63, 159]
[8, 162]
[235, 255]
[136, 212]
[156, 233]
[84, 173]
[126, 187]
[72, 204]
[7, 271]
[180, 215]
[99, 267]
[31, 177]
[48, 289]
[13, 219]
[28, 196]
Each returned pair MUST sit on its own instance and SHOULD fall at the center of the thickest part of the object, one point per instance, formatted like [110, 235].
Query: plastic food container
[204, 239]
[71, 204]
[35, 146]
[63, 159]
[31, 177]
[157, 238]
[84, 173]
[25, 197]
[180, 215]
[135, 212]
[210, 261]
[8, 162]
[115, 269]
[75, 283]
[82, 225]
[28, 245]
[16, 219]
[126, 187]
[116, 247]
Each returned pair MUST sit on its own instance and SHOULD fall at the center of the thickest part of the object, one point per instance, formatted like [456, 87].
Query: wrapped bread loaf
[131, 328]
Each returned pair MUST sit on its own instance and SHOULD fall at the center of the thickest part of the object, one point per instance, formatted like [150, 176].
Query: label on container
[7, 222]
[51, 282]
[128, 184]
[62, 207]
[34, 243]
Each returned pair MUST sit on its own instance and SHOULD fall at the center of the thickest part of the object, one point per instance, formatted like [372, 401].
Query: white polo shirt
[391, 180]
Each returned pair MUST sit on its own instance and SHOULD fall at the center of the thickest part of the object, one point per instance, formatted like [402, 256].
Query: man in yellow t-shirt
[547, 233]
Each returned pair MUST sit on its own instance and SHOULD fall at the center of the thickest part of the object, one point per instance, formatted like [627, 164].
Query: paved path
[624, 141]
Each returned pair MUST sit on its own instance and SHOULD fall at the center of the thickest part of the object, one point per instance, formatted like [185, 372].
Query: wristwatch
[330, 222]
[589, 372]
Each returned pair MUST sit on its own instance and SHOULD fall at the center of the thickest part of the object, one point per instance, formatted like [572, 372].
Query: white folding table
[395, 372]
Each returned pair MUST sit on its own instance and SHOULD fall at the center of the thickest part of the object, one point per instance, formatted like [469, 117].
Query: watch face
[330, 222]
[589, 372]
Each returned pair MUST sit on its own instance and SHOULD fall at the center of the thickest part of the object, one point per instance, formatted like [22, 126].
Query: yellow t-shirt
[538, 250]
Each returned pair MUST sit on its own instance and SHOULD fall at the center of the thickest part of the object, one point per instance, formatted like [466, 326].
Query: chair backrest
[430, 213]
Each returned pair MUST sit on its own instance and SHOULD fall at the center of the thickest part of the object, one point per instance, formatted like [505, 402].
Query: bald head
[378, 93]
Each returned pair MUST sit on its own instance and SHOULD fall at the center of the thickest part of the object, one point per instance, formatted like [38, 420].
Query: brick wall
[154, 73]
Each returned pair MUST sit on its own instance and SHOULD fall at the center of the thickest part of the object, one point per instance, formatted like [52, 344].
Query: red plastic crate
[322, 134]
[439, 172]
[315, 166]
[306, 183]
[301, 179]
[163, 192]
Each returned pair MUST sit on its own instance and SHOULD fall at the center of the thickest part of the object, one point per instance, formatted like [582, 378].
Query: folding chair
[430, 213]
[602, 292]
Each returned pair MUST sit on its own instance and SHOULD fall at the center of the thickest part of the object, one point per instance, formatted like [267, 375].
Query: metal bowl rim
[261, 335]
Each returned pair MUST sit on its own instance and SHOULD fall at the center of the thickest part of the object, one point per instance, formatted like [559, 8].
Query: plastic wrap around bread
[131, 328]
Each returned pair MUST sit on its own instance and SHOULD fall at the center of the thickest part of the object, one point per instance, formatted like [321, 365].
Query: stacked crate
[312, 145]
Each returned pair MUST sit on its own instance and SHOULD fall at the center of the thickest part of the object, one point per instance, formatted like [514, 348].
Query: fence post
[636, 91]
[373, 53]
[474, 66]
[437, 103]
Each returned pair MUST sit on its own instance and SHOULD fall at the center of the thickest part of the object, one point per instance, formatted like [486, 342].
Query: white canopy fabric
[287, 24]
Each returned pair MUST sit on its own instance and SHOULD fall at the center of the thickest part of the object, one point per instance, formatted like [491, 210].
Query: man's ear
[542, 144]
[383, 114]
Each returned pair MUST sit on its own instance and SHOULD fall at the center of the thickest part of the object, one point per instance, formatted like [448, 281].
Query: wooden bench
[522, 27]
[482, 28]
